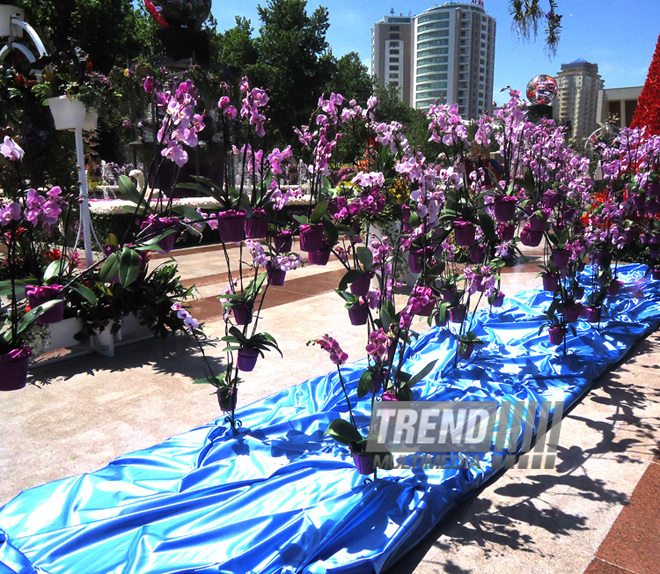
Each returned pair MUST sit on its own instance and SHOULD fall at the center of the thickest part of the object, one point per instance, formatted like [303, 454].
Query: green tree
[350, 78]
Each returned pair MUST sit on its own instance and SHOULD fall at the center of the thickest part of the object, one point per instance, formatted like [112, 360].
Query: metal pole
[83, 199]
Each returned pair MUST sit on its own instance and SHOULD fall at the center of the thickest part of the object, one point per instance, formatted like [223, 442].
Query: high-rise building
[454, 57]
[391, 53]
[576, 104]
[446, 54]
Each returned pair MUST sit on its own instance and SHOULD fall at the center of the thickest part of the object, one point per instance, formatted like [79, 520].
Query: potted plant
[249, 348]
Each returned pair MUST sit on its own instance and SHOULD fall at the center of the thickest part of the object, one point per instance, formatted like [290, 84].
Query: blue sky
[618, 35]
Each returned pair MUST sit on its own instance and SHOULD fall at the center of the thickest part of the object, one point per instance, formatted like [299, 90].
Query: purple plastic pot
[360, 287]
[655, 273]
[602, 258]
[457, 314]
[448, 295]
[477, 253]
[529, 237]
[415, 260]
[556, 335]
[389, 396]
[358, 314]
[465, 350]
[228, 403]
[38, 295]
[14, 369]
[231, 225]
[593, 314]
[464, 232]
[560, 258]
[550, 282]
[247, 359]
[276, 277]
[320, 256]
[158, 225]
[363, 463]
[614, 288]
[506, 231]
[537, 224]
[311, 237]
[499, 300]
[256, 227]
[551, 199]
[505, 208]
[242, 314]
[283, 240]
[572, 313]
[426, 310]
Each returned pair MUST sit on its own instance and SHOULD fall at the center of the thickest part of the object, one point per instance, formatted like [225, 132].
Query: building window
[394, 28]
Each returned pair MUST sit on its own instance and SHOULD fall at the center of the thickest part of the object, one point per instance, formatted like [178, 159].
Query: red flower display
[648, 108]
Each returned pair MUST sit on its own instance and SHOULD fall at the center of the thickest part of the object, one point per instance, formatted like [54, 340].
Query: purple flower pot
[572, 313]
[551, 199]
[38, 295]
[578, 292]
[529, 237]
[464, 231]
[655, 273]
[457, 314]
[389, 396]
[256, 227]
[247, 359]
[231, 225]
[537, 224]
[653, 187]
[506, 231]
[320, 256]
[593, 314]
[242, 314]
[499, 300]
[415, 260]
[228, 403]
[556, 335]
[283, 241]
[360, 287]
[157, 225]
[448, 295]
[14, 369]
[477, 253]
[652, 207]
[560, 258]
[550, 282]
[311, 237]
[614, 288]
[426, 310]
[363, 463]
[640, 204]
[602, 258]
[505, 208]
[276, 277]
[465, 350]
[358, 314]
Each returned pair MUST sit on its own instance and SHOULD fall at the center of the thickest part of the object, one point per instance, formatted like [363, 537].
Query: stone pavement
[595, 513]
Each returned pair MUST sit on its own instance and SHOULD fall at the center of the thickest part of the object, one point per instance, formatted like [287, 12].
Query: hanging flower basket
[320, 256]
[242, 314]
[477, 253]
[256, 226]
[529, 237]
[560, 258]
[276, 277]
[457, 314]
[14, 369]
[572, 313]
[247, 359]
[537, 223]
[359, 314]
[40, 294]
[227, 402]
[231, 226]
[283, 240]
[556, 335]
[311, 237]
[550, 282]
[505, 208]
[464, 231]
[506, 231]
[593, 314]
[360, 287]
[68, 113]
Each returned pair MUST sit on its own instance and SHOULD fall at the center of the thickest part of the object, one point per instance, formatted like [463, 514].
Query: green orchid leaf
[343, 431]
[319, 211]
[110, 267]
[365, 257]
[129, 266]
[84, 291]
[419, 376]
[55, 269]
[348, 278]
[128, 190]
[364, 386]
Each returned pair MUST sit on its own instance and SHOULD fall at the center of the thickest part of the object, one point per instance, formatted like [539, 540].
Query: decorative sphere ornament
[542, 89]
[189, 13]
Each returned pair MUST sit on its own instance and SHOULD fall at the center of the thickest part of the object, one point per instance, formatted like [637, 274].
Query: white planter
[68, 113]
[58, 336]
[6, 29]
[103, 342]
[91, 120]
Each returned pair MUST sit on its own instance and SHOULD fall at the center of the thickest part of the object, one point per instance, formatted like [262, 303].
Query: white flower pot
[91, 120]
[6, 29]
[68, 113]
[103, 342]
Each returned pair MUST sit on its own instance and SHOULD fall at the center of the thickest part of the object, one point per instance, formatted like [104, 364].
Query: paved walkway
[596, 513]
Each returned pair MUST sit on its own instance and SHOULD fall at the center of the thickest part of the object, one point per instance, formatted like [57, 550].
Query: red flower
[155, 14]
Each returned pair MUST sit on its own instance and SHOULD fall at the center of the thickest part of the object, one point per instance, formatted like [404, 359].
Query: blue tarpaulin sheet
[278, 496]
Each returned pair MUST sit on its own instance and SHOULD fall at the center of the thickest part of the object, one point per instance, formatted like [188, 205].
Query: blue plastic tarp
[278, 496]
